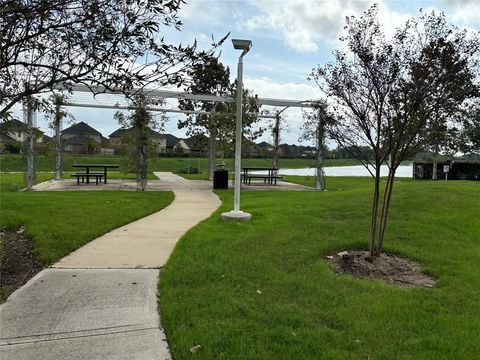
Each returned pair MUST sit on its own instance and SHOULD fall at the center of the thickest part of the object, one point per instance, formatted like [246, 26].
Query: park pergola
[157, 94]
[160, 94]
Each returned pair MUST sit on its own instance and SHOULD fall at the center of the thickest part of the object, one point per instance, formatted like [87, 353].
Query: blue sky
[289, 39]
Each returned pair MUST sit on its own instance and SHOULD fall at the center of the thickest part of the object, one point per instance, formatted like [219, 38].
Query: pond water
[356, 170]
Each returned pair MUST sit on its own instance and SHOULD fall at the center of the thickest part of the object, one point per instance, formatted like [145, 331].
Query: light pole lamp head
[244, 45]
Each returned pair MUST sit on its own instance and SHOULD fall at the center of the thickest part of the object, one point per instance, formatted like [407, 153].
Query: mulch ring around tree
[17, 261]
[390, 268]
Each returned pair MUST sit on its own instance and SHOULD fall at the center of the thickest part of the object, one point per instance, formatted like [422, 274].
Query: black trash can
[220, 179]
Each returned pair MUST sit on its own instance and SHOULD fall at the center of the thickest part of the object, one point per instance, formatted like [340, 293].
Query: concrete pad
[236, 216]
[84, 314]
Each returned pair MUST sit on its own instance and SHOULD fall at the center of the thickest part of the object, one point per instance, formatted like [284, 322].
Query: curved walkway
[100, 302]
[148, 242]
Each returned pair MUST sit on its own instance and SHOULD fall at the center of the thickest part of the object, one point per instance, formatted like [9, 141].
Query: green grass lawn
[60, 222]
[208, 289]
[14, 162]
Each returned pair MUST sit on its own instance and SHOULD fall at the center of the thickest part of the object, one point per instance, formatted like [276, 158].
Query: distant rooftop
[81, 128]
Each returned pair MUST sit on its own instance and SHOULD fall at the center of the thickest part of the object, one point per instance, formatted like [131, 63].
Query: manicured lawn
[60, 222]
[11, 162]
[263, 290]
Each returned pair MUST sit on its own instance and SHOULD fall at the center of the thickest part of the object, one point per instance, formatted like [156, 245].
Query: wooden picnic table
[270, 177]
[87, 173]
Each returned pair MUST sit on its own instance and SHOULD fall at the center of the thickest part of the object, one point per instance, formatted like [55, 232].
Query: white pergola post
[30, 146]
[58, 141]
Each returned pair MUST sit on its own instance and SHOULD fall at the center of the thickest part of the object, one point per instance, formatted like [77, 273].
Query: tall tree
[387, 91]
[113, 43]
[207, 77]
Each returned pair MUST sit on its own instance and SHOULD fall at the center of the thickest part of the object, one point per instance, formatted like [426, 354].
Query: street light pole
[238, 135]
[236, 214]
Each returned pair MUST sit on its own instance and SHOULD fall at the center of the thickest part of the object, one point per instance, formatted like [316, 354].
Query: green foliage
[51, 31]
[264, 290]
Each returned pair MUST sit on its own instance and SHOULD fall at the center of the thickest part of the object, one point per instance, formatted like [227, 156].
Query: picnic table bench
[86, 175]
[270, 177]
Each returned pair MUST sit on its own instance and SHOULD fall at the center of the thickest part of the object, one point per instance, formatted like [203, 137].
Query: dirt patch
[392, 269]
[17, 261]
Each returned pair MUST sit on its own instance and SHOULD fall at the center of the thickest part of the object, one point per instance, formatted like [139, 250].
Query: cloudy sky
[290, 37]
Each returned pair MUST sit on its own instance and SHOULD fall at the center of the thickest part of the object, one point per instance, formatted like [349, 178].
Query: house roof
[122, 132]
[197, 142]
[81, 128]
[264, 145]
[172, 140]
[5, 137]
[78, 140]
[13, 125]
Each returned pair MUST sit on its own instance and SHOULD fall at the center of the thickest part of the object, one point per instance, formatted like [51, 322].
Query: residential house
[264, 149]
[121, 137]
[176, 145]
[13, 134]
[196, 145]
[81, 138]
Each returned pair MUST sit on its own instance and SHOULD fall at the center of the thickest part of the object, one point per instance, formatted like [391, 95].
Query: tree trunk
[374, 220]
[30, 147]
[141, 123]
[385, 210]
[141, 163]
[435, 161]
[320, 177]
[58, 142]
[276, 140]
[211, 151]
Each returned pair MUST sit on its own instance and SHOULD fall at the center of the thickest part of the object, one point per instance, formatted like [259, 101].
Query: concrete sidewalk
[84, 314]
[82, 310]
[148, 242]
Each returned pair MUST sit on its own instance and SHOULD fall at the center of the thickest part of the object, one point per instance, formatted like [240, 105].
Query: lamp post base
[236, 215]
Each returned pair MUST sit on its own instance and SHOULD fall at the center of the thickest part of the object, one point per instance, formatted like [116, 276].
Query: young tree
[387, 91]
[140, 146]
[207, 77]
[277, 126]
[113, 43]
[225, 115]
[315, 129]
[55, 119]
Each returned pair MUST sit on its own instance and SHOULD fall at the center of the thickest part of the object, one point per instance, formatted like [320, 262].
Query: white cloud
[267, 88]
[304, 23]
[464, 12]
[203, 12]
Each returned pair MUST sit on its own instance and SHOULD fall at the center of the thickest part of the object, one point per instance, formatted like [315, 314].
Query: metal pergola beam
[125, 107]
[170, 94]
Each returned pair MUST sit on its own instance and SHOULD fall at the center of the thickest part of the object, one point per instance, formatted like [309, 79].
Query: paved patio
[167, 182]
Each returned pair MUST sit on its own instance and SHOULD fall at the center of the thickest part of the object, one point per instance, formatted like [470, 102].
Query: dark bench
[84, 175]
[272, 179]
